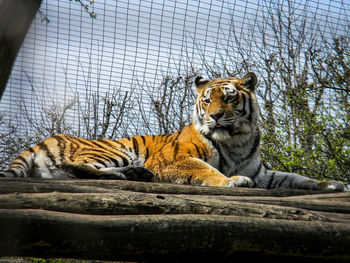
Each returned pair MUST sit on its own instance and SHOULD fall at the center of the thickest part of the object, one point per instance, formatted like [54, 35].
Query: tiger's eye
[206, 101]
[230, 98]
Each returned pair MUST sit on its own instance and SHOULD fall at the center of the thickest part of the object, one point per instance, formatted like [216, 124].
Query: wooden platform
[135, 221]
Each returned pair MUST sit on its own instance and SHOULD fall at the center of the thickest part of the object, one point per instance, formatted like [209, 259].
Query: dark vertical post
[15, 19]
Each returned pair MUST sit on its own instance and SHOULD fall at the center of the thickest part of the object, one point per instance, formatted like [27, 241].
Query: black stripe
[291, 182]
[197, 149]
[61, 147]
[125, 161]
[256, 172]
[102, 144]
[120, 144]
[271, 180]
[251, 110]
[116, 149]
[106, 143]
[244, 112]
[205, 153]
[22, 160]
[107, 156]
[221, 160]
[265, 172]
[199, 109]
[102, 150]
[97, 143]
[144, 145]
[178, 134]
[143, 140]
[103, 162]
[74, 146]
[92, 150]
[135, 146]
[126, 152]
[73, 149]
[84, 141]
[167, 136]
[176, 148]
[273, 185]
[147, 154]
[219, 82]
[254, 148]
[44, 147]
[116, 163]
[281, 182]
[12, 172]
[23, 174]
[172, 140]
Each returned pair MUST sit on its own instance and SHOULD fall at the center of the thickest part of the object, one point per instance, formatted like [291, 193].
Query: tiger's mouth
[220, 127]
[230, 130]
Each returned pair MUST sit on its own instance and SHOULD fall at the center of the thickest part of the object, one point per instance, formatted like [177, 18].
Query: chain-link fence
[130, 71]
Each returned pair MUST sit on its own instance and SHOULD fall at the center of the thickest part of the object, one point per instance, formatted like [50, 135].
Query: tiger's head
[226, 107]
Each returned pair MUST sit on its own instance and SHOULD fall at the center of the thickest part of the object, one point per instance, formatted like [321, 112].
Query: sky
[131, 44]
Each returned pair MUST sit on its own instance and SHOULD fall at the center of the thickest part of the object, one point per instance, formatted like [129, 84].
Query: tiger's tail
[21, 166]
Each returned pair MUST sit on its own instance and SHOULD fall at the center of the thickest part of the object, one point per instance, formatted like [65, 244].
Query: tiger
[220, 147]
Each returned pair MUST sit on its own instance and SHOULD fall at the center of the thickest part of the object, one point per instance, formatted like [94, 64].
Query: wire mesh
[132, 47]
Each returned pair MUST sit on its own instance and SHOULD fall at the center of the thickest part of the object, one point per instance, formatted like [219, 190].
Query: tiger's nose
[217, 116]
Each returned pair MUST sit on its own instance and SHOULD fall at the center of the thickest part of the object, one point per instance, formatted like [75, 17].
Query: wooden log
[129, 203]
[335, 202]
[45, 186]
[164, 203]
[325, 207]
[33, 185]
[169, 237]
[119, 220]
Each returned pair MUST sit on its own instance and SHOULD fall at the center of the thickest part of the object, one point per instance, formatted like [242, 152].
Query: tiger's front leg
[131, 173]
[189, 170]
[275, 179]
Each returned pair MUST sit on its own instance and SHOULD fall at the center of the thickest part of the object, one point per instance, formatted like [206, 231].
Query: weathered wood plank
[174, 237]
[335, 202]
[46, 186]
[123, 220]
[29, 185]
[129, 203]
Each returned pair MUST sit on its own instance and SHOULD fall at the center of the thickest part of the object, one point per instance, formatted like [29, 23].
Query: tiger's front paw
[141, 174]
[331, 186]
[240, 181]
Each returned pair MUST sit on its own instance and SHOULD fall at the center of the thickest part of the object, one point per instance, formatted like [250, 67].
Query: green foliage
[312, 137]
[328, 157]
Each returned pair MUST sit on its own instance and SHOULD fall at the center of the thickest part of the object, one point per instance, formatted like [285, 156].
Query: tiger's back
[45, 158]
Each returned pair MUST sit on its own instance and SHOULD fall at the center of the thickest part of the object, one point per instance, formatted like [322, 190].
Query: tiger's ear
[249, 81]
[200, 83]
